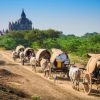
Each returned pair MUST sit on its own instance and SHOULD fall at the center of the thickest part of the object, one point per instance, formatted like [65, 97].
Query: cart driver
[96, 72]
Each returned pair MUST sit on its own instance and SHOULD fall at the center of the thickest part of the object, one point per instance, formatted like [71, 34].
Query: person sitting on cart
[29, 53]
[96, 72]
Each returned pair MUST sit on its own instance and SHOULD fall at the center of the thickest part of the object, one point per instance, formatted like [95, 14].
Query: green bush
[7, 42]
[36, 97]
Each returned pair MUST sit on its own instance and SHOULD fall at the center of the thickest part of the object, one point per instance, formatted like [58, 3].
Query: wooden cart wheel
[87, 83]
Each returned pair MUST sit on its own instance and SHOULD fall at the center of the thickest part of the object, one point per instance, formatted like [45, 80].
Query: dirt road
[32, 84]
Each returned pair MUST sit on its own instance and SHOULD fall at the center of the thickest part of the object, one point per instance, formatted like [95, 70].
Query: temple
[22, 24]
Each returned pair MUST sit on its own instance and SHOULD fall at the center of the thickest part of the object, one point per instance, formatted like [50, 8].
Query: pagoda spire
[23, 15]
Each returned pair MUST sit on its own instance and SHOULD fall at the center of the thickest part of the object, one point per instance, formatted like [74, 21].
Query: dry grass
[2, 49]
[77, 59]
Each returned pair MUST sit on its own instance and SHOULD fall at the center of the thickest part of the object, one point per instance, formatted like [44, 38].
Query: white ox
[21, 55]
[33, 63]
[43, 63]
[74, 74]
[14, 55]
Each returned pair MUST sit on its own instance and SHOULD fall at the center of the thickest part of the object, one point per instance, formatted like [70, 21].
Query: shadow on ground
[6, 93]
[95, 93]
[2, 62]
[11, 64]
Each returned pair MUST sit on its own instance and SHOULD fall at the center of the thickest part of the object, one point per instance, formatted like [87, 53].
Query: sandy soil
[26, 83]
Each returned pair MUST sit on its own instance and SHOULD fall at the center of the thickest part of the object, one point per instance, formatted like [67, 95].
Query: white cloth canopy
[61, 57]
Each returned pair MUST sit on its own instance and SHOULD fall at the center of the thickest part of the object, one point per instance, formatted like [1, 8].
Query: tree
[7, 42]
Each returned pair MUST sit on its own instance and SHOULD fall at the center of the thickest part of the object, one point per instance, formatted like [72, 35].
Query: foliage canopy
[89, 43]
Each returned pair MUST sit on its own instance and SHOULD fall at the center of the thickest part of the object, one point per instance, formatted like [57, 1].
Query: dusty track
[35, 84]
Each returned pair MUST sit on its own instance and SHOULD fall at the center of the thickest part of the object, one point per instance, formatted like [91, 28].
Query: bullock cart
[18, 50]
[42, 53]
[92, 73]
[27, 54]
[59, 62]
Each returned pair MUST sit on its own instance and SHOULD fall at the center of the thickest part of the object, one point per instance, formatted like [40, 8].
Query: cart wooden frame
[88, 74]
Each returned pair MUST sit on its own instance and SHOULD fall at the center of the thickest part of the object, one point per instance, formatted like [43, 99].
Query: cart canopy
[58, 55]
[93, 62]
[43, 53]
[29, 51]
[19, 48]
[90, 54]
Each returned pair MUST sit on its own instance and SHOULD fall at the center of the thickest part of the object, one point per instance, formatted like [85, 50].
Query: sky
[69, 16]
